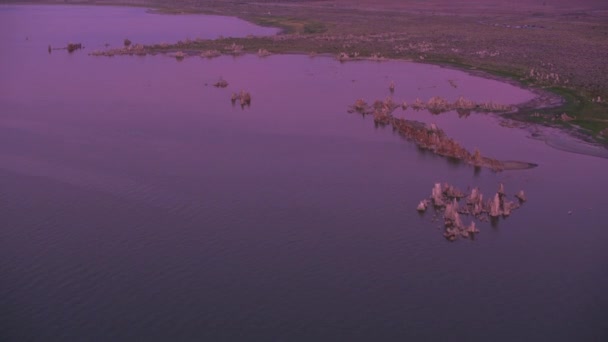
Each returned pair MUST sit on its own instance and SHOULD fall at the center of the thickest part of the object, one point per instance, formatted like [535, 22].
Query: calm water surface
[136, 203]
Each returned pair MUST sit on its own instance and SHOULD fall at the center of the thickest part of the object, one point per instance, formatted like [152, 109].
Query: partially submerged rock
[463, 106]
[360, 106]
[243, 97]
[437, 104]
[210, 54]
[437, 195]
[222, 83]
[264, 53]
[343, 56]
[235, 49]
[446, 200]
[422, 205]
[179, 55]
[566, 118]
[418, 105]
[430, 137]
[495, 206]
[132, 49]
[377, 57]
[73, 47]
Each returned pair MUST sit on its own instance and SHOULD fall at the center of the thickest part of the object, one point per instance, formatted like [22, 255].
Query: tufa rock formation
[446, 200]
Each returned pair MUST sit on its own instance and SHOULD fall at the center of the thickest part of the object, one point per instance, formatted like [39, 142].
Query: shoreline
[545, 109]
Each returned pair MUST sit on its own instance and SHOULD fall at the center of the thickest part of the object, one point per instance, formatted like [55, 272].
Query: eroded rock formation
[429, 137]
[243, 97]
[446, 201]
[73, 47]
[222, 83]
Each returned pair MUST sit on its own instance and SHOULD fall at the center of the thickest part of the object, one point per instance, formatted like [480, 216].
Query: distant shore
[558, 51]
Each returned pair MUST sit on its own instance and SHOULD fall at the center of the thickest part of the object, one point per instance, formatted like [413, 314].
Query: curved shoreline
[543, 110]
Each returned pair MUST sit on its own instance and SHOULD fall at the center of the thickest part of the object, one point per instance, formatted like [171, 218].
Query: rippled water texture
[136, 203]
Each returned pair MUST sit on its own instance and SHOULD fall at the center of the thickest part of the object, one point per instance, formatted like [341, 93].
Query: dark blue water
[136, 203]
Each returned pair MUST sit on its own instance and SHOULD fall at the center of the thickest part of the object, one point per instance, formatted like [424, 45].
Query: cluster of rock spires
[446, 199]
[428, 137]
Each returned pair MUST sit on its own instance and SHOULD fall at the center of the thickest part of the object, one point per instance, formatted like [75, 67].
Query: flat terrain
[559, 45]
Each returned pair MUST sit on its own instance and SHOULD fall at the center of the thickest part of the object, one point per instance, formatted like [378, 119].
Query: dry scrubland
[556, 44]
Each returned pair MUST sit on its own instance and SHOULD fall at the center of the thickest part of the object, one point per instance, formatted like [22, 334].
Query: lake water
[136, 203]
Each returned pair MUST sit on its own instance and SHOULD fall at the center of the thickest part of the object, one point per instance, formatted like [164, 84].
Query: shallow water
[137, 203]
